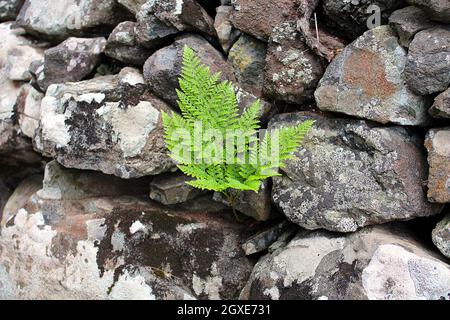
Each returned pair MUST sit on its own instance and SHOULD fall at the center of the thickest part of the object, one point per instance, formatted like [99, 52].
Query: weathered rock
[438, 145]
[172, 189]
[438, 10]
[132, 5]
[16, 53]
[441, 236]
[247, 57]
[103, 247]
[408, 21]
[292, 69]
[162, 69]
[56, 20]
[376, 263]
[427, 70]
[225, 32]
[259, 17]
[123, 46]
[5, 192]
[9, 9]
[366, 80]
[71, 61]
[245, 99]
[109, 124]
[28, 108]
[352, 17]
[351, 174]
[157, 20]
[441, 106]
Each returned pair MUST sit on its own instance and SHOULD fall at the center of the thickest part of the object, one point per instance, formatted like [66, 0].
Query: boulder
[123, 46]
[366, 80]
[28, 108]
[224, 28]
[292, 69]
[438, 10]
[101, 246]
[247, 57]
[441, 236]
[132, 5]
[438, 145]
[441, 106]
[427, 70]
[109, 124]
[56, 20]
[162, 69]
[351, 17]
[9, 9]
[375, 263]
[350, 174]
[408, 21]
[160, 19]
[70, 61]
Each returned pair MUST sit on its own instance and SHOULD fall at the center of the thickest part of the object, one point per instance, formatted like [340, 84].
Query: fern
[241, 161]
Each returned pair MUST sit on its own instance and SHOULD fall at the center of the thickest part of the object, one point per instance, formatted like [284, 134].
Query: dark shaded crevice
[210, 6]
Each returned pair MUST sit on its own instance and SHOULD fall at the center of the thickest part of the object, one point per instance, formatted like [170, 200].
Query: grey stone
[438, 10]
[375, 263]
[441, 106]
[437, 143]
[408, 21]
[224, 28]
[427, 70]
[109, 124]
[28, 109]
[123, 46]
[9, 9]
[441, 236]
[132, 5]
[367, 80]
[350, 174]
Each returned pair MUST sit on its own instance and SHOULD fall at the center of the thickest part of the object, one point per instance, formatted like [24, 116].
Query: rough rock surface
[259, 17]
[103, 247]
[9, 9]
[247, 57]
[351, 174]
[55, 19]
[376, 263]
[162, 69]
[441, 106]
[351, 17]
[160, 19]
[408, 21]
[70, 61]
[110, 124]
[226, 34]
[123, 46]
[441, 236]
[292, 69]
[438, 10]
[366, 80]
[28, 109]
[437, 143]
[427, 70]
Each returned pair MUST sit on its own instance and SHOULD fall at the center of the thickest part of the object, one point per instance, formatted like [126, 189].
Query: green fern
[242, 161]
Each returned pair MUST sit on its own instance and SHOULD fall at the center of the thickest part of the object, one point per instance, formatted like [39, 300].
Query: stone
[351, 17]
[171, 189]
[158, 20]
[438, 145]
[71, 61]
[407, 22]
[16, 53]
[123, 46]
[109, 124]
[226, 34]
[162, 69]
[292, 69]
[119, 247]
[367, 80]
[375, 263]
[28, 108]
[259, 17]
[9, 9]
[247, 57]
[5, 192]
[132, 5]
[438, 10]
[57, 20]
[441, 106]
[427, 70]
[441, 236]
[245, 99]
[350, 174]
